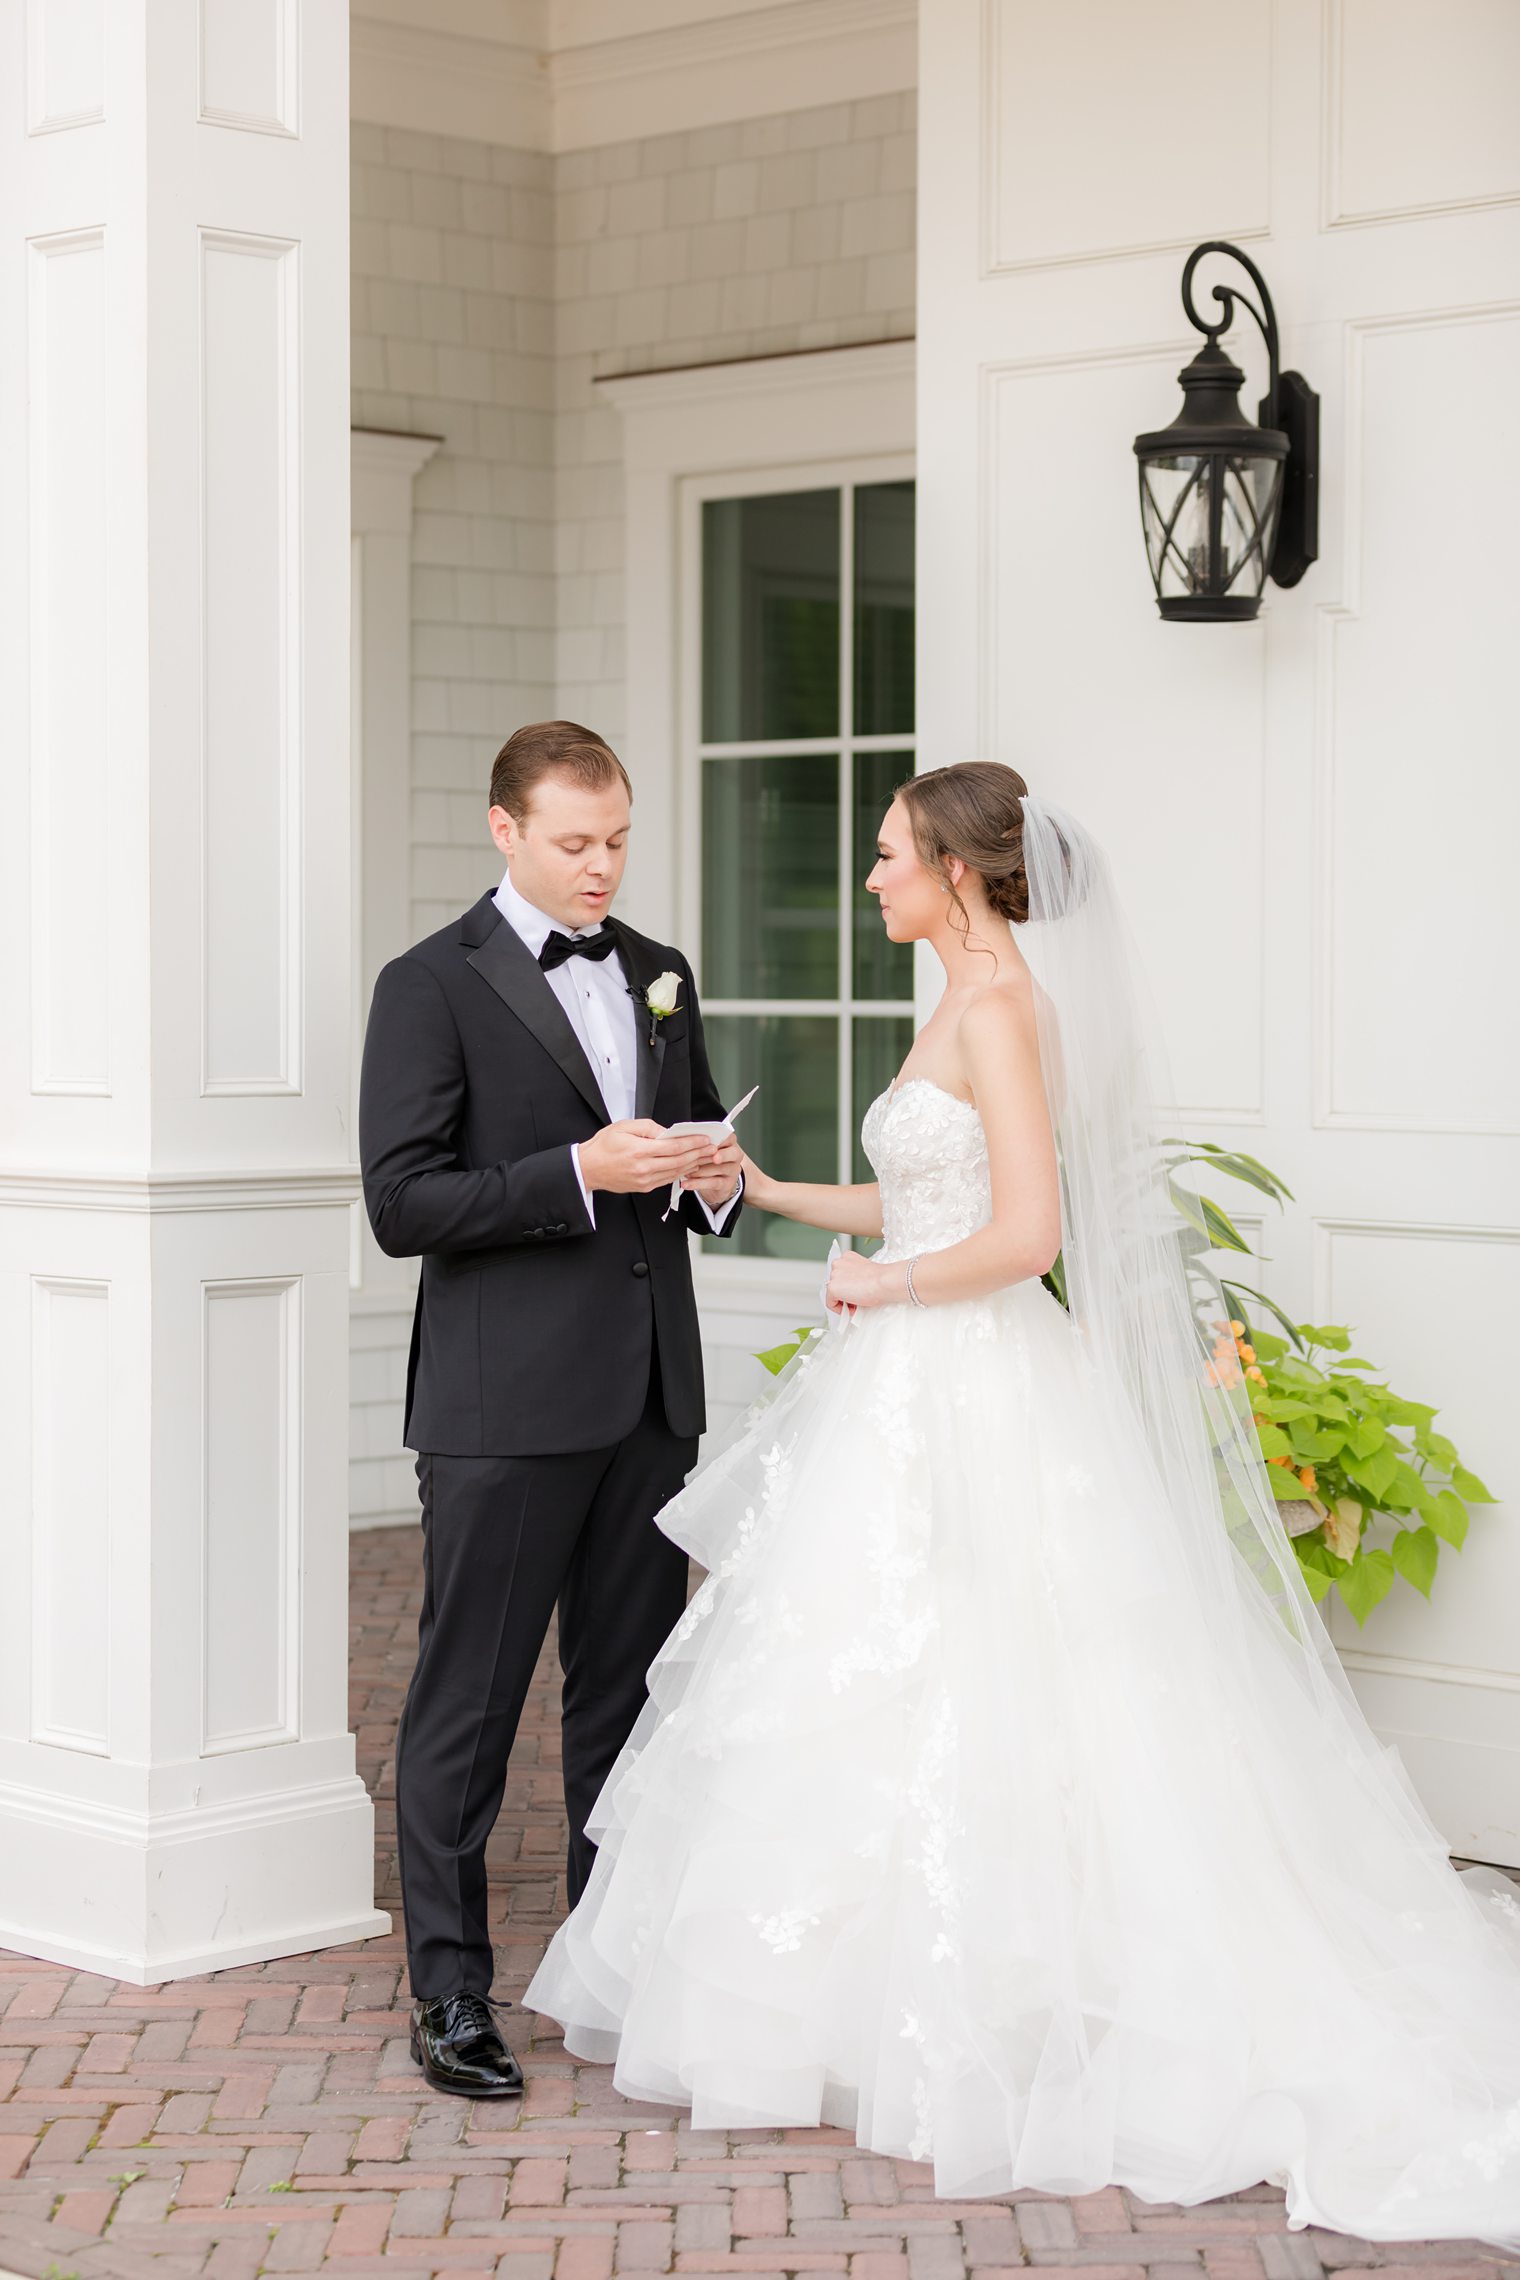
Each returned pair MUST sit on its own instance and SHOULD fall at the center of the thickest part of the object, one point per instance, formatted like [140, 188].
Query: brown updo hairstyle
[972, 810]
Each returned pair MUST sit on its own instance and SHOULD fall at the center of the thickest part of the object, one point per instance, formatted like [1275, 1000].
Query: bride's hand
[855, 1281]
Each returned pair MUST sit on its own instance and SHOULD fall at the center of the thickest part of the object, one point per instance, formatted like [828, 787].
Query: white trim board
[751, 419]
[750, 414]
[488, 73]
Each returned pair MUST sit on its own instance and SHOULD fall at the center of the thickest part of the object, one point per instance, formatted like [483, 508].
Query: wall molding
[731, 379]
[151, 1194]
[1331, 616]
[1435, 1673]
[66, 450]
[990, 172]
[446, 83]
[789, 55]
[1333, 216]
[284, 118]
[85, 52]
[237, 1511]
[237, 1034]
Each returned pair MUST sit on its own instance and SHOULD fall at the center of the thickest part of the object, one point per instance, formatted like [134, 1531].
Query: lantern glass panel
[1202, 543]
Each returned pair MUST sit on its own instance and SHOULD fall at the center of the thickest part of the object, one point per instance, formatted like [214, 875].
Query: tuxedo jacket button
[641, 1266]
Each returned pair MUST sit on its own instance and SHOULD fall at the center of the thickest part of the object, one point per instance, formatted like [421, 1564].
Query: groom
[518, 1076]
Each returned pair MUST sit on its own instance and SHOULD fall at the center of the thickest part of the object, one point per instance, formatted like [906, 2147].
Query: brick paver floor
[269, 2119]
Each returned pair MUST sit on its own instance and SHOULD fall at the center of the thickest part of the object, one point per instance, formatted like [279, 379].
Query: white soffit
[562, 75]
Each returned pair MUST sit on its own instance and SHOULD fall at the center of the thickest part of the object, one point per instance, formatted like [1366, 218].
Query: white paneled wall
[492, 288]
[1311, 816]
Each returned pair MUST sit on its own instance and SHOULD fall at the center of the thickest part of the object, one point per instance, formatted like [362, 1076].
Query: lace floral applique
[699, 1607]
[784, 1932]
[897, 1632]
[940, 1833]
[921, 2144]
[1499, 2150]
[930, 1154]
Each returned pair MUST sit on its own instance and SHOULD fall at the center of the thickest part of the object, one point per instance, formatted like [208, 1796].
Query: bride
[1000, 1797]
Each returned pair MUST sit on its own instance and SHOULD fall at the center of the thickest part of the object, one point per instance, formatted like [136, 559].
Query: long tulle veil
[1125, 1246]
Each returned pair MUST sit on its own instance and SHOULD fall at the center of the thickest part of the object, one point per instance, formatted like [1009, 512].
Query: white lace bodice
[929, 1153]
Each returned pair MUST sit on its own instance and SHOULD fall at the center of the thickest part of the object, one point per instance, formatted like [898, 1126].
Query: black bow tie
[558, 947]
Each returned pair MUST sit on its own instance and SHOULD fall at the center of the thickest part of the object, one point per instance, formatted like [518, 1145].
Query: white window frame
[750, 424]
[844, 476]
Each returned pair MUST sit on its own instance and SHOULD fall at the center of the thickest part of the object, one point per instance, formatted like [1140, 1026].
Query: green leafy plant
[776, 1358]
[1343, 1450]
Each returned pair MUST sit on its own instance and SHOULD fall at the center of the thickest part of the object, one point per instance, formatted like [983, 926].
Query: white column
[177, 1783]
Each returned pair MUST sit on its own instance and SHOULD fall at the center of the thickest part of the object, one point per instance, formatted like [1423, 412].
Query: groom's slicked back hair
[552, 748]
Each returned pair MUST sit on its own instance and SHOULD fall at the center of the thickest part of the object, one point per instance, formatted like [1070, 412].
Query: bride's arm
[842, 1210]
[1001, 1055]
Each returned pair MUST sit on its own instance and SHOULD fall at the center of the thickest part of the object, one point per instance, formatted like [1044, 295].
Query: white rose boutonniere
[661, 995]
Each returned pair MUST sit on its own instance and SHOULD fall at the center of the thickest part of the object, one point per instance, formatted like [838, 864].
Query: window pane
[878, 1048]
[883, 969]
[770, 617]
[770, 877]
[884, 609]
[791, 1125]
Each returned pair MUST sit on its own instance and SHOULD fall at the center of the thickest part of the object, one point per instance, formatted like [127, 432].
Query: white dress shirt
[595, 995]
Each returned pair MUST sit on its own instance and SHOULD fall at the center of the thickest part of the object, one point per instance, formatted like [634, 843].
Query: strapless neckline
[903, 1083]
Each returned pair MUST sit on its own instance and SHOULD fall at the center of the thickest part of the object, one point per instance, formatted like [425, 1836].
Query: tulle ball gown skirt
[952, 1820]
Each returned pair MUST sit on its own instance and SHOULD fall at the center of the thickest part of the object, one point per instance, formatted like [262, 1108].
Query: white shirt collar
[533, 925]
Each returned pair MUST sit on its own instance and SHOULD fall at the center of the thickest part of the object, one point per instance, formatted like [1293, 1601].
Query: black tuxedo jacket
[533, 1330]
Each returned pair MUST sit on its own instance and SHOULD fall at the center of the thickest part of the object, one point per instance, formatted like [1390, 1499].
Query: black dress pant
[504, 1539]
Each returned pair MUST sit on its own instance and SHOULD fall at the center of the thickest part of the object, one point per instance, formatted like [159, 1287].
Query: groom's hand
[635, 1157]
[713, 1179]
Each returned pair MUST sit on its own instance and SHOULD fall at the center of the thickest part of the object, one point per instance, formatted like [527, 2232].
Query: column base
[169, 1896]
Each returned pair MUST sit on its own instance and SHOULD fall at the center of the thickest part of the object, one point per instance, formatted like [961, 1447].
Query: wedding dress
[940, 1822]
[970, 1810]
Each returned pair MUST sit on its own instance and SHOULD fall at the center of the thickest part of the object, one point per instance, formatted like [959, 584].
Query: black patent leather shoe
[458, 2045]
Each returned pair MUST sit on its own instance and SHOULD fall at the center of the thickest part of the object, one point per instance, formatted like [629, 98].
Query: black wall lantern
[1225, 504]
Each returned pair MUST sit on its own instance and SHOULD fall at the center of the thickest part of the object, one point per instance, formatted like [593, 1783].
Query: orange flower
[1254, 1372]
[1247, 1353]
[1237, 1329]
[1306, 1475]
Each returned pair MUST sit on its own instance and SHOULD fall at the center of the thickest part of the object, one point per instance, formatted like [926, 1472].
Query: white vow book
[711, 1128]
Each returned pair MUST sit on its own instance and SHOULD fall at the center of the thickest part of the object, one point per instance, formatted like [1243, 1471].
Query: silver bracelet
[908, 1277]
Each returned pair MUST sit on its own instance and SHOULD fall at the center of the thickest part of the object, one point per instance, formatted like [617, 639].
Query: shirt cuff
[580, 1181]
[719, 1213]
